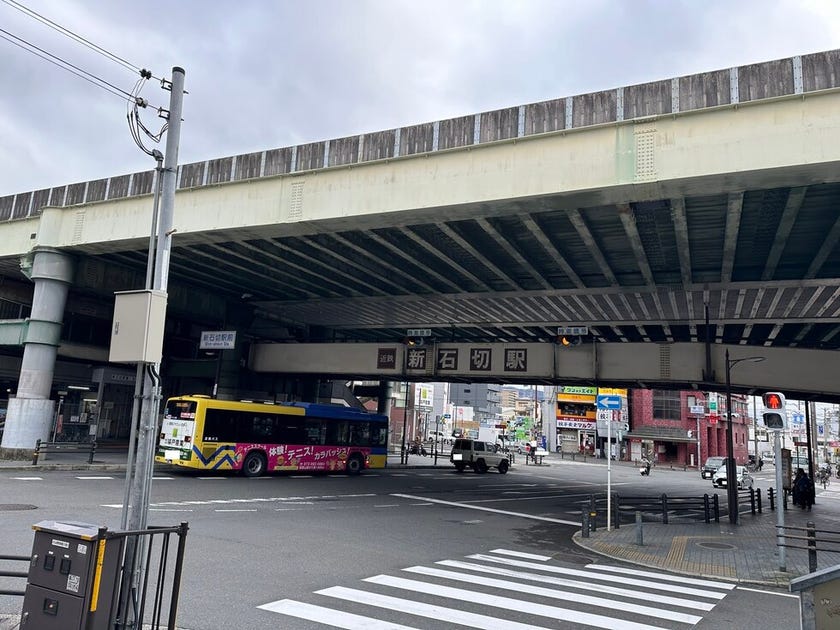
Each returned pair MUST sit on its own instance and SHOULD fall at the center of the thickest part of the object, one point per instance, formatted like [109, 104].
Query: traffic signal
[775, 417]
[569, 340]
[414, 341]
[569, 336]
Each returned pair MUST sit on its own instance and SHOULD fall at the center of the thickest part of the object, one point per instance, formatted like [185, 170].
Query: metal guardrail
[44, 448]
[663, 507]
[813, 540]
[7, 573]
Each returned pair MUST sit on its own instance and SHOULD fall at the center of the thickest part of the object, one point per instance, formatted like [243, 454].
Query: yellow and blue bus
[203, 433]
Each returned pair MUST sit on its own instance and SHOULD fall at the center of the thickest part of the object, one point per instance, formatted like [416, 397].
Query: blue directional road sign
[607, 401]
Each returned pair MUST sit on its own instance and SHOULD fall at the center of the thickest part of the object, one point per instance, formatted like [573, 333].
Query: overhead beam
[583, 231]
[794, 202]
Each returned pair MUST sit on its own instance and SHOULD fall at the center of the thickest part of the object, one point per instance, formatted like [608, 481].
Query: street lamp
[731, 482]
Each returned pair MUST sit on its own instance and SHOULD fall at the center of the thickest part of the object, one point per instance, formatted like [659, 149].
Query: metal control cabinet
[73, 577]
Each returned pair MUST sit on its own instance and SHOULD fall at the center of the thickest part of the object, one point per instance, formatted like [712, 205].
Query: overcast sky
[263, 74]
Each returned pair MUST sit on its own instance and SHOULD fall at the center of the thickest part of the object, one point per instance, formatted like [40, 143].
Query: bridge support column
[385, 398]
[30, 413]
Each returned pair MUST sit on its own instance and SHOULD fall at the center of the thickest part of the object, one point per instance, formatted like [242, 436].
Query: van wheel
[480, 466]
[355, 464]
[254, 464]
[503, 467]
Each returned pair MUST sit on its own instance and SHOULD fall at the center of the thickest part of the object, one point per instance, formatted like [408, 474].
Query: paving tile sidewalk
[746, 552]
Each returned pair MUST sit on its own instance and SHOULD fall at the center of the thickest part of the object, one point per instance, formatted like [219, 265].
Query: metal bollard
[584, 528]
[665, 509]
[752, 501]
[716, 505]
[639, 535]
[811, 533]
[706, 517]
[37, 451]
[92, 452]
[771, 495]
[758, 501]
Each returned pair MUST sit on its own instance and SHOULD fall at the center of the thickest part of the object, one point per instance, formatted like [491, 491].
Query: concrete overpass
[699, 208]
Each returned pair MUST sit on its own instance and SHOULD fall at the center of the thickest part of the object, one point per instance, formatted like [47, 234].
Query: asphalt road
[277, 552]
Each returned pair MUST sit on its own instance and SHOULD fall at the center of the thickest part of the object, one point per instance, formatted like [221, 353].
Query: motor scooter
[644, 469]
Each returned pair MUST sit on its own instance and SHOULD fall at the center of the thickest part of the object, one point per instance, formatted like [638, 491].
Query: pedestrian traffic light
[774, 414]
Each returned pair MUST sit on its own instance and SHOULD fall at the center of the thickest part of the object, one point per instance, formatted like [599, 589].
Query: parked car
[711, 466]
[743, 478]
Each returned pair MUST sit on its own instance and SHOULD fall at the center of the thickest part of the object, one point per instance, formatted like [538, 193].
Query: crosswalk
[509, 589]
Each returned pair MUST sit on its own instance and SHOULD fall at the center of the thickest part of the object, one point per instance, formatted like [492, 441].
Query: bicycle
[824, 477]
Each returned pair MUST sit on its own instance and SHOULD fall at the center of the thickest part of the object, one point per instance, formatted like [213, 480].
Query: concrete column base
[34, 420]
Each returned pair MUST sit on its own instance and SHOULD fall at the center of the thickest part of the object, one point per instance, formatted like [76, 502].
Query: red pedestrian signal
[774, 414]
[774, 400]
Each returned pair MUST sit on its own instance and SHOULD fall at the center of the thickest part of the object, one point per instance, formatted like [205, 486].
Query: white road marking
[213, 478]
[508, 603]
[431, 611]
[532, 517]
[581, 586]
[662, 576]
[93, 478]
[520, 554]
[762, 592]
[28, 478]
[330, 617]
[235, 510]
[603, 577]
[609, 604]
[387, 505]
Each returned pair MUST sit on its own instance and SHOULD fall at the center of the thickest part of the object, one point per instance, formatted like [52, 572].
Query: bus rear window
[180, 409]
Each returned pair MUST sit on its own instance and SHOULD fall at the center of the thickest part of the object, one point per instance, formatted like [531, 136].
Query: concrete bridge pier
[30, 412]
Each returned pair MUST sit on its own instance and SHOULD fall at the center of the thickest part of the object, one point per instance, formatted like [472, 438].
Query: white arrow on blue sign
[607, 401]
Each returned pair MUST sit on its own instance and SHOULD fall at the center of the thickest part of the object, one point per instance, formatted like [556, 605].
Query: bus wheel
[254, 464]
[355, 464]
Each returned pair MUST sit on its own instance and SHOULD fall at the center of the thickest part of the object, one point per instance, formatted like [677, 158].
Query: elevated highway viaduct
[674, 218]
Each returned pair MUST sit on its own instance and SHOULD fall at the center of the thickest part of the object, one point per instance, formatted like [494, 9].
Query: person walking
[803, 490]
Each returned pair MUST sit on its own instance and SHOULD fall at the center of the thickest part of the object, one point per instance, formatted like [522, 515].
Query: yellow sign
[590, 400]
[610, 391]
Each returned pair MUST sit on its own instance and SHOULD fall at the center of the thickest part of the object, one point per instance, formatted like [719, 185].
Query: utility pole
[140, 460]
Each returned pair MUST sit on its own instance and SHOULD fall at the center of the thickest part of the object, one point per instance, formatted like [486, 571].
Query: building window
[666, 405]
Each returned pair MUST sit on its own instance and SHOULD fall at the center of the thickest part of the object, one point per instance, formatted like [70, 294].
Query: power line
[81, 73]
[78, 38]
[67, 63]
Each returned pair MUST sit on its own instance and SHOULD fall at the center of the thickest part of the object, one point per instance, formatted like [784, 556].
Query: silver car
[743, 478]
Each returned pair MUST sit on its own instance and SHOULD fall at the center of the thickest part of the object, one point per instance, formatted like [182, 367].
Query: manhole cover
[14, 507]
[716, 546]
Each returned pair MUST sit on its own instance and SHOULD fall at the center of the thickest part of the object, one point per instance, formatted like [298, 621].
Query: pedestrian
[796, 487]
[803, 490]
[760, 463]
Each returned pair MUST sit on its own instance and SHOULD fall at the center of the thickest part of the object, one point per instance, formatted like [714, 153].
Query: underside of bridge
[763, 265]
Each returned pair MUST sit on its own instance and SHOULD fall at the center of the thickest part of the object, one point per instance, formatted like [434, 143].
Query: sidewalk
[745, 552]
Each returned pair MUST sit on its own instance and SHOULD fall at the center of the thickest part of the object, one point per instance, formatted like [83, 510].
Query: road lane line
[466, 506]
